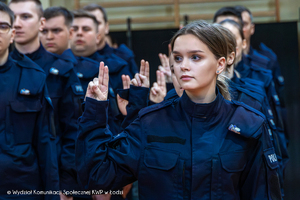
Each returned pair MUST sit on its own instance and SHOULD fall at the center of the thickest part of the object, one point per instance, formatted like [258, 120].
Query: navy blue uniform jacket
[27, 144]
[180, 150]
[65, 92]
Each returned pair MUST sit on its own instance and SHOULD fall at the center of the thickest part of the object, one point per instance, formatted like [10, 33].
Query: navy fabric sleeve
[138, 99]
[104, 161]
[261, 170]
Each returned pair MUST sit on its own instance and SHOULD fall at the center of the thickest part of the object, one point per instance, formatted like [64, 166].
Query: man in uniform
[62, 82]
[28, 166]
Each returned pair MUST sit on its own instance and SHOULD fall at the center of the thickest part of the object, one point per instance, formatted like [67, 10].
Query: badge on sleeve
[24, 91]
[234, 128]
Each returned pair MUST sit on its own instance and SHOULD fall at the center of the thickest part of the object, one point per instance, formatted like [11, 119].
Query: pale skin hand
[165, 67]
[122, 103]
[159, 89]
[142, 79]
[98, 88]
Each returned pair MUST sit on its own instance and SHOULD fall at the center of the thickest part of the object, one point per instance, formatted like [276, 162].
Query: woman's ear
[221, 65]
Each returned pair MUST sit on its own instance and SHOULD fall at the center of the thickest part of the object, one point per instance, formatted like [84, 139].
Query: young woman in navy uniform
[199, 146]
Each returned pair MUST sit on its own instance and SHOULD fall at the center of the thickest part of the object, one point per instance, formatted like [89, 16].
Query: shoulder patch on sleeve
[246, 121]
[154, 107]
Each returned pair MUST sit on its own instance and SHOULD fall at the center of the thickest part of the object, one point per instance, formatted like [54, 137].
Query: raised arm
[103, 161]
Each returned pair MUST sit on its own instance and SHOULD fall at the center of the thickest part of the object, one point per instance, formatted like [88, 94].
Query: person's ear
[42, 23]
[98, 37]
[221, 65]
[106, 28]
[252, 28]
[244, 44]
[71, 33]
[231, 58]
[13, 33]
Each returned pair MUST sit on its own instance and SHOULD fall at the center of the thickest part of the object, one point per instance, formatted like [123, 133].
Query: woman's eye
[195, 57]
[177, 58]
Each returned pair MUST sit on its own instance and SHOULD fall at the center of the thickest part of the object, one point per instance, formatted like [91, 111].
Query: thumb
[97, 91]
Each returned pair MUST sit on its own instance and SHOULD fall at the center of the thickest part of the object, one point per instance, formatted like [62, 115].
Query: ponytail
[222, 84]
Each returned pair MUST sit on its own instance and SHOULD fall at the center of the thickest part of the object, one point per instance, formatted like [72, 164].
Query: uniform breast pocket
[234, 161]
[163, 173]
[23, 117]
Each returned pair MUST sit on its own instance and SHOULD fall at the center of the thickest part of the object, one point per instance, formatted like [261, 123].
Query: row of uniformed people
[197, 146]
[62, 74]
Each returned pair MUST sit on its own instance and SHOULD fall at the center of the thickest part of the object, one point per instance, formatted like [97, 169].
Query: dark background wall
[283, 39]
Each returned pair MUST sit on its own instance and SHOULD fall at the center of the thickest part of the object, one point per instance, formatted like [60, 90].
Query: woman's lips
[186, 77]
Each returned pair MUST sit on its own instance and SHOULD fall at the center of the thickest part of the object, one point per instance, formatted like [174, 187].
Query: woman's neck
[203, 96]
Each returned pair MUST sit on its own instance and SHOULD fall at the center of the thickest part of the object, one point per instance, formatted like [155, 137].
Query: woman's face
[195, 66]
[240, 43]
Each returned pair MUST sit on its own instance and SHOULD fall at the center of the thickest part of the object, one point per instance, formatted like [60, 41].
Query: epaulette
[67, 55]
[33, 78]
[154, 107]
[25, 62]
[115, 63]
[125, 51]
[61, 67]
[260, 58]
[246, 121]
[267, 50]
[260, 69]
[87, 68]
[172, 94]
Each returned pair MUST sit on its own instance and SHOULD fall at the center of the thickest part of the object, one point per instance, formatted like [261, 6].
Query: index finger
[105, 76]
[101, 73]
[142, 68]
[147, 70]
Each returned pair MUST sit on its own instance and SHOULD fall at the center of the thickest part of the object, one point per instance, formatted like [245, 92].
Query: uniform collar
[106, 50]
[37, 54]
[201, 110]
[7, 65]
[68, 56]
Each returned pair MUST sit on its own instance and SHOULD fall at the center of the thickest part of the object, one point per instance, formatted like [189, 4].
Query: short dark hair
[93, 6]
[234, 23]
[244, 9]
[227, 11]
[37, 3]
[56, 11]
[6, 9]
[84, 14]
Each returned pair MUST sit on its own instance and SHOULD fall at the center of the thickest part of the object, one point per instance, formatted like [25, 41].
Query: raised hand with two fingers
[142, 79]
[98, 88]
[159, 89]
